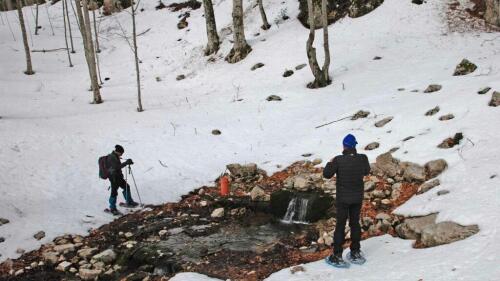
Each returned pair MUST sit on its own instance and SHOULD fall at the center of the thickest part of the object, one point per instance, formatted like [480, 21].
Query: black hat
[119, 148]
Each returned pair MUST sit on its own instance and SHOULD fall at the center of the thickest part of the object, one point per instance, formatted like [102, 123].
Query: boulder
[411, 228]
[87, 252]
[4, 221]
[106, 256]
[445, 233]
[396, 190]
[89, 274]
[378, 194]
[372, 146]
[451, 142]
[247, 170]
[217, 213]
[433, 88]
[360, 114]
[383, 216]
[180, 77]
[383, 122]
[64, 248]
[50, 257]
[369, 186]
[435, 168]
[273, 98]
[464, 67]
[426, 186]
[288, 73]
[433, 111]
[216, 132]
[39, 235]
[257, 193]
[63, 266]
[387, 164]
[413, 172]
[495, 99]
[446, 117]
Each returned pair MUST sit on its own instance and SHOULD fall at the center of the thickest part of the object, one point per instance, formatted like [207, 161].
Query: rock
[217, 213]
[50, 257]
[39, 235]
[378, 194]
[106, 256]
[464, 67]
[300, 66]
[443, 192]
[387, 164]
[445, 233]
[360, 114]
[4, 221]
[273, 98]
[128, 234]
[73, 270]
[495, 99]
[307, 155]
[257, 193]
[288, 73]
[384, 121]
[20, 251]
[428, 186]
[396, 190]
[2, 239]
[247, 170]
[297, 268]
[87, 252]
[369, 186]
[372, 146]
[433, 88]
[366, 221]
[63, 266]
[417, 2]
[180, 77]
[328, 240]
[64, 248]
[183, 23]
[446, 117]
[411, 228]
[163, 233]
[383, 216]
[216, 132]
[203, 203]
[484, 91]
[451, 142]
[377, 58]
[413, 172]
[317, 161]
[435, 168]
[19, 272]
[433, 111]
[89, 274]
[256, 66]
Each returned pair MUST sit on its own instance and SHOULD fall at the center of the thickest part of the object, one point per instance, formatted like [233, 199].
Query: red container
[224, 186]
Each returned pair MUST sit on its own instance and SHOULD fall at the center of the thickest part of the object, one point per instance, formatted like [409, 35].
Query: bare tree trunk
[97, 50]
[69, 27]
[136, 57]
[96, 33]
[265, 24]
[36, 19]
[321, 78]
[65, 8]
[213, 38]
[492, 14]
[240, 46]
[10, 7]
[84, 20]
[29, 67]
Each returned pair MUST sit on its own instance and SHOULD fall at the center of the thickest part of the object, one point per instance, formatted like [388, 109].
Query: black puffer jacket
[350, 168]
[115, 166]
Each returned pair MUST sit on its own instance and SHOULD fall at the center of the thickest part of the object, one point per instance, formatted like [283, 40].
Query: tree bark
[65, 8]
[240, 46]
[29, 67]
[136, 57]
[492, 14]
[265, 24]
[96, 33]
[69, 27]
[321, 78]
[84, 19]
[213, 38]
[36, 19]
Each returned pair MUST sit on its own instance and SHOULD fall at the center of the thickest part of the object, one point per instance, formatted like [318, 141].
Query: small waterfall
[296, 211]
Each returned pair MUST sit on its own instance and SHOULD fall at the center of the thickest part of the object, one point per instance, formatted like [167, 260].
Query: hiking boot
[337, 261]
[130, 204]
[115, 212]
[356, 257]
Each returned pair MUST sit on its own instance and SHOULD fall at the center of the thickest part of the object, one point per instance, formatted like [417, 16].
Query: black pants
[119, 182]
[352, 212]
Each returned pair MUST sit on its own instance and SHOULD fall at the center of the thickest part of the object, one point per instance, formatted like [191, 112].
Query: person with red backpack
[112, 170]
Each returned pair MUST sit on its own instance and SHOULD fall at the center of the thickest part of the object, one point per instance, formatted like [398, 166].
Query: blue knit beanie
[349, 141]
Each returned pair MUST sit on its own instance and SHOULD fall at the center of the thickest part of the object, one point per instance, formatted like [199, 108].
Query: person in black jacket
[116, 178]
[350, 168]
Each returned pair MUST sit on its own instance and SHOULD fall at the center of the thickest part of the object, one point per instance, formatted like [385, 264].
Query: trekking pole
[135, 184]
[126, 188]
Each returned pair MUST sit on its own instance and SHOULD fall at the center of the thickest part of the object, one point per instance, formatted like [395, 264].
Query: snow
[51, 137]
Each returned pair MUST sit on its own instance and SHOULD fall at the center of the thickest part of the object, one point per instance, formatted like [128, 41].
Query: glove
[129, 162]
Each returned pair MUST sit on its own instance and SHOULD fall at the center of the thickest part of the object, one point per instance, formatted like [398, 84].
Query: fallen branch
[162, 164]
[144, 32]
[49, 50]
[333, 121]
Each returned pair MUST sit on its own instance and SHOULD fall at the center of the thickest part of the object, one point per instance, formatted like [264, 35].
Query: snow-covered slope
[51, 137]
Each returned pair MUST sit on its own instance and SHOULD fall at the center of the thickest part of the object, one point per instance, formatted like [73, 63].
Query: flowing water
[296, 211]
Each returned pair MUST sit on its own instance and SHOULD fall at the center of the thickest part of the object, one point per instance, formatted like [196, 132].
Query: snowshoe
[129, 204]
[356, 257]
[114, 212]
[336, 261]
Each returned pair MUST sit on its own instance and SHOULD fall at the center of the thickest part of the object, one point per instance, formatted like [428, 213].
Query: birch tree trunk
[213, 38]
[65, 3]
[65, 8]
[321, 78]
[136, 57]
[29, 67]
[84, 19]
[36, 19]
[265, 24]
[240, 46]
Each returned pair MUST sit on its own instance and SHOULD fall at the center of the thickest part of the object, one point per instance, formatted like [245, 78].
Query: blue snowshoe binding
[336, 261]
[356, 257]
